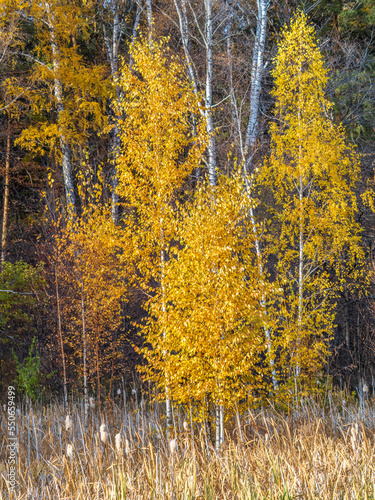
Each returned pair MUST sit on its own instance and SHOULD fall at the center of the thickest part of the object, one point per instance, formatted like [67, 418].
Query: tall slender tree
[158, 151]
[79, 89]
[311, 176]
[213, 316]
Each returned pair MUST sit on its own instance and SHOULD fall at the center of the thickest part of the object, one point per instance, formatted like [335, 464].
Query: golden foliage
[158, 147]
[311, 176]
[205, 326]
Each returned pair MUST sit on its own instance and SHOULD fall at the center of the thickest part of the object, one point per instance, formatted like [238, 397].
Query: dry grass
[310, 453]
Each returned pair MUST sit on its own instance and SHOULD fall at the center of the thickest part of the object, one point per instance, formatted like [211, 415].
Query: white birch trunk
[112, 46]
[149, 14]
[256, 81]
[208, 95]
[250, 140]
[234, 107]
[168, 406]
[6, 195]
[180, 6]
[300, 257]
[112, 43]
[261, 275]
[84, 355]
[64, 145]
[221, 425]
[217, 428]
[61, 344]
[184, 31]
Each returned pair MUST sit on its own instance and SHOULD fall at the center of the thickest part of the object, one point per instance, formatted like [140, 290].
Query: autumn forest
[187, 206]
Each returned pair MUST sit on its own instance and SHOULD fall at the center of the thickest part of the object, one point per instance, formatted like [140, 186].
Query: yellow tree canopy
[159, 148]
[313, 236]
[213, 344]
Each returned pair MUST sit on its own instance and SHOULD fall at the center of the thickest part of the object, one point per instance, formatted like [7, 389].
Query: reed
[314, 452]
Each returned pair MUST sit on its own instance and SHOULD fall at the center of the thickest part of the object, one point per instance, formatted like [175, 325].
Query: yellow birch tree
[309, 181]
[159, 150]
[213, 344]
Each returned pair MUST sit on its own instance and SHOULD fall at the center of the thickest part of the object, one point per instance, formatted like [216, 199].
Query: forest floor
[317, 451]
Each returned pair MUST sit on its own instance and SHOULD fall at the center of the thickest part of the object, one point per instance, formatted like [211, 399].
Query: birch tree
[207, 35]
[256, 81]
[115, 23]
[158, 151]
[213, 324]
[312, 175]
[79, 91]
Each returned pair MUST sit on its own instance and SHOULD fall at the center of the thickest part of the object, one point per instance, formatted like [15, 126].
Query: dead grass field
[310, 453]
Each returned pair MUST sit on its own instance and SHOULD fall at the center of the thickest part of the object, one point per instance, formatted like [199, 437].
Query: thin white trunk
[234, 107]
[301, 221]
[168, 406]
[149, 14]
[184, 31]
[256, 81]
[6, 194]
[112, 47]
[180, 6]
[61, 344]
[84, 355]
[261, 275]
[135, 30]
[300, 256]
[208, 95]
[250, 140]
[217, 428]
[221, 425]
[112, 44]
[65, 148]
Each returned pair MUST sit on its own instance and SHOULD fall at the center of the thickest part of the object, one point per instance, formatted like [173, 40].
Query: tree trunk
[6, 194]
[149, 15]
[235, 114]
[168, 406]
[112, 43]
[256, 81]
[258, 252]
[61, 344]
[250, 140]
[97, 365]
[208, 95]
[84, 355]
[300, 269]
[184, 31]
[65, 148]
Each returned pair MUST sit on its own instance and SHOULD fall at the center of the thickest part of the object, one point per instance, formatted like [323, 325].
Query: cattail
[185, 425]
[103, 434]
[69, 450]
[118, 442]
[127, 447]
[68, 423]
[92, 402]
[353, 437]
[173, 445]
